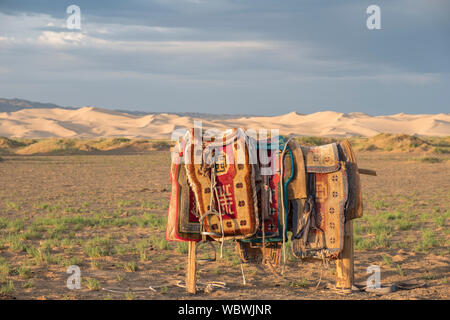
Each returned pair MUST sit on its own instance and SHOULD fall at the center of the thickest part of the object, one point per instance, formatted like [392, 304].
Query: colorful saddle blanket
[182, 219]
[272, 189]
[223, 182]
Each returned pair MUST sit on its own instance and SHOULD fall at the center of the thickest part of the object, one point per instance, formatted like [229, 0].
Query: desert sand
[91, 122]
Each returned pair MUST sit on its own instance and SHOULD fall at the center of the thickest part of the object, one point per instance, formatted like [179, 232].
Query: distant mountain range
[11, 105]
[15, 104]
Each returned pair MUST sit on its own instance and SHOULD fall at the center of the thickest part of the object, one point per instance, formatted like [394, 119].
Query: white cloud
[41, 30]
[59, 39]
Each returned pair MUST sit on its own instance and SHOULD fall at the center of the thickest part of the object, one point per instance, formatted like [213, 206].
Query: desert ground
[106, 213]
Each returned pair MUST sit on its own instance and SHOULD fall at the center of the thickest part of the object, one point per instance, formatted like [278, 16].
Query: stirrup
[209, 233]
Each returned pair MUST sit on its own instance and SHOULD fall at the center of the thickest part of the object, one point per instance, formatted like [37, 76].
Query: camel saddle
[333, 197]
[274, 161]
[223, 182]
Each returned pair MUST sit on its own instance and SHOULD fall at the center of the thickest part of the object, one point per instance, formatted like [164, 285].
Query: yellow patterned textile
[231, 183]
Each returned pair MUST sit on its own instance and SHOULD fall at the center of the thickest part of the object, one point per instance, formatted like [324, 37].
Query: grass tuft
[92, 284]
[130, 266]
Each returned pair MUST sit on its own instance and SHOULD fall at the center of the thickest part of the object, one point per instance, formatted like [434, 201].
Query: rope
[243, 275]
[211, 285]
[180, 283]
[216, 196]
[265, 187]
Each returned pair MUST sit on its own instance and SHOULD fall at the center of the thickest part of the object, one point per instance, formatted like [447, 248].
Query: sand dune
[90, 122]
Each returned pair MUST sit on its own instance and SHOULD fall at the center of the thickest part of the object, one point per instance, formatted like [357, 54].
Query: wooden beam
[367, 171]
[345, 262]
[191, 272]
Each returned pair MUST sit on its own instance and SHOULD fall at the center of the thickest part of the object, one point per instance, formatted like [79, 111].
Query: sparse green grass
[141, 248]
[3, 222]
[68, 243]
[124, 203]
[16, 225]
[374, 231]
[161, 243]
[85, 204]
[182, 247]
[31, 235]
[96, 265]
[382, 240]
[12, 205]
[7, 288]
[62, 224]
[400, 270]
[361, 243]
[98, 247]
[149, 205]
[44, 255]
[92, 284]
[429, 276]
[121, 249]
[24, 272]
[59, 232]
[130, 266]
[404, 225]
[4, 269]
[430, 160]
[235, 260]
[42, 206]
[441, 220]
[28, 284]
[73, 261]
[439, 150]
[302, 283]
[15, 243]
[387, 260]
[119, 277]
[164, 289]
[178, 267]
[130, 295]
[380, 227]
[429, 240]
[380, 204]
[160, 257]
[35, 255]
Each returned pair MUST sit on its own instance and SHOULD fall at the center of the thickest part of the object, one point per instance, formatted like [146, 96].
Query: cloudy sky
[261, 57]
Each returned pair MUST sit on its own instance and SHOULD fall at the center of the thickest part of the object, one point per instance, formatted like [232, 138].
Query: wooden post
[191, 272]
[345, 263]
